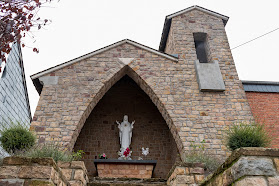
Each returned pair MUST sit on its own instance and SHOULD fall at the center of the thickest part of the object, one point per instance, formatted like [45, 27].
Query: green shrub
[78, 155]
[246, 135]
[197, 154]
[16, 138]
[50, 150]
[211, 163]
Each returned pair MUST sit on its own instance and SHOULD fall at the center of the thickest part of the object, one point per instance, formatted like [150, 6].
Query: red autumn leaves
[17, 17]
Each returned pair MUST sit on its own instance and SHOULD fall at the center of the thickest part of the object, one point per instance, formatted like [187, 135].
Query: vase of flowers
[103, 156]
[125, 154]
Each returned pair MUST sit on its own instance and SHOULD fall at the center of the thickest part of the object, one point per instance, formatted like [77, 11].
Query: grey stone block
[252, 181]
[12, 182]
[253, 166]
[209, 76]
[49, 80]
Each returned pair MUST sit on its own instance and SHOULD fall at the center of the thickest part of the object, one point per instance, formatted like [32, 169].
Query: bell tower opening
[201, 47]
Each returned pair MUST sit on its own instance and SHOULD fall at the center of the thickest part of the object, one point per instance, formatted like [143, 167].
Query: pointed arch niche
[99, 133]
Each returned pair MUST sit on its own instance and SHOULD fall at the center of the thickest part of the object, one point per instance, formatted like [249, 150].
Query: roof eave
[260, 82]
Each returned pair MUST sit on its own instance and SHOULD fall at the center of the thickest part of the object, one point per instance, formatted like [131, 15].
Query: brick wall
[100, 133]
[265, 108]
[112, 170]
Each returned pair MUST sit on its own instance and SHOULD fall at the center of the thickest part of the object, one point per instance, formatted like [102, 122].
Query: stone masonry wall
[64, 107]
[18, 171]
[191, 115]
[186, 174]
[22, 171]
[100, 132]
[265, 108]
[206, 114]
[247, 166]
[75, 172]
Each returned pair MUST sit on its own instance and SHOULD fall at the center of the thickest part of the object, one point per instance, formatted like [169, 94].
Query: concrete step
[127, 182]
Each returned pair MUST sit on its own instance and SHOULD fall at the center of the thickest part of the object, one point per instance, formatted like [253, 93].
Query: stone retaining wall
[187, 173]
[75, 172]
[248, 166]
[18, 171]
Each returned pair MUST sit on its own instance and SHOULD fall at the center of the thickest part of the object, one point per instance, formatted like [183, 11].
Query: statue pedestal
[111, 168]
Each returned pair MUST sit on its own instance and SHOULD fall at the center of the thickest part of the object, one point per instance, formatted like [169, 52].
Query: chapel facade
[186, 92]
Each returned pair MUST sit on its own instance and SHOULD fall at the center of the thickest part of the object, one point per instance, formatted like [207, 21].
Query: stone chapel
[187, 91]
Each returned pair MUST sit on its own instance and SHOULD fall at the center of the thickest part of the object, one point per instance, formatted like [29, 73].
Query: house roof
[168, 19]
[62, 65]
[16, 50]
[24, 82]
[261, 86]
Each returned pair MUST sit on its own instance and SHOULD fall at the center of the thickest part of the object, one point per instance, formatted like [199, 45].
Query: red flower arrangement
[126, 152]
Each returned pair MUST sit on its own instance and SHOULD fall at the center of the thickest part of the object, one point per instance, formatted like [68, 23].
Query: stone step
[127, 182]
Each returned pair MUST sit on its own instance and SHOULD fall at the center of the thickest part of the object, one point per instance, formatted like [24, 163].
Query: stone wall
[63, 108]
[248, 166]
[75, 172]
[18, 171]
[206, 114]
[100, 133]
[265, 108]
[186, 174]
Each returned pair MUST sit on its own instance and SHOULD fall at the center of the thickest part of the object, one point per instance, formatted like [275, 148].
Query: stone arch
[127, 70]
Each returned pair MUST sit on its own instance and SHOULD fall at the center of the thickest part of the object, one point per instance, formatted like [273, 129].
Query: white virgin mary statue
[125, 134]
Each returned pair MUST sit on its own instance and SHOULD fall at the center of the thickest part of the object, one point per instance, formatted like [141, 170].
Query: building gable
[168, 20]
[52, 69]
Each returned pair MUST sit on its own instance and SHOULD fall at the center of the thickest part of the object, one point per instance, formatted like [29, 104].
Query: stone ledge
[14, 160]
[142, 162]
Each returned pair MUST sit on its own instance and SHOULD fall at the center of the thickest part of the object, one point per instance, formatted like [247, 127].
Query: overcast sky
[80, 27]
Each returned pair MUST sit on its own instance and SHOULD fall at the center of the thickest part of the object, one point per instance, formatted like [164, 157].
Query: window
[200, 45]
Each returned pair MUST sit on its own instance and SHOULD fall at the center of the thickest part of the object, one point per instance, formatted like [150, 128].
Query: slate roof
[261, 86]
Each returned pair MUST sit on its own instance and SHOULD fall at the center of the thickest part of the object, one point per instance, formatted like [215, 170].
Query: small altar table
[113, 168]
